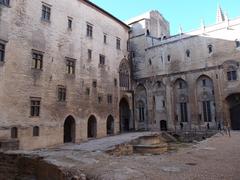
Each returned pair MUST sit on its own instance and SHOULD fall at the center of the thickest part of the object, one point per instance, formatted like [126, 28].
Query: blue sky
[188, 13]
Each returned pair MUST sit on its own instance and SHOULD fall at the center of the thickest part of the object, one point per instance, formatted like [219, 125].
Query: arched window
[232, 73]
[210, 48]
[35, 131]
[14, 132]
[141, 111]
[124, 75]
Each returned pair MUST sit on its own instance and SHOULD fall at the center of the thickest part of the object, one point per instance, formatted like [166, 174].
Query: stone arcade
[70, 71]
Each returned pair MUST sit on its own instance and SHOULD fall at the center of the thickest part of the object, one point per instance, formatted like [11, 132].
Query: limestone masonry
[70, 71]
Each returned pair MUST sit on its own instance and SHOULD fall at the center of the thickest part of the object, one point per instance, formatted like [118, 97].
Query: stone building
[70, 71]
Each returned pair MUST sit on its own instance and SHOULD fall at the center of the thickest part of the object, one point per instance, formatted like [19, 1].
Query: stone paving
[217, 158]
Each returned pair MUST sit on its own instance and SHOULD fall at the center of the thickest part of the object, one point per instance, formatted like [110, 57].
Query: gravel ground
[217, 158]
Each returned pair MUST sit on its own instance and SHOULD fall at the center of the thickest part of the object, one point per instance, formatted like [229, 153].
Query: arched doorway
[110, 125]
[234, 109]
[69, 130]
[92, 127]
[124, 115]
[163, 125]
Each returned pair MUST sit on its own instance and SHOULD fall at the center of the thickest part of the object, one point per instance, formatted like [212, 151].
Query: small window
[105, 39]
[204, 83]
[163, 104]
[101, 59]
[99, 99]
[237, 43]
[89, 54]
[115, 82]
[94, 84]
[35, 107]
[210, 48]
[118, 43]
[169, 58]
[2, 51]
[70, 64]
[46, 12]
[89, 30]
[88, 91]
[14, 132]
[62, 92]
[232, 75]
[35, 131]
[70, 20]
[109, 99]
[150, 62]
[37, 60]
[188, 53]
[5, 2]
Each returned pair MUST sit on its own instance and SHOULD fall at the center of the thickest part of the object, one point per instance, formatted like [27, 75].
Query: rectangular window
[105, 39]
[37, 60]
[89, 54]
[94, 84]
[35, 107]
[5, 2]
[184, 112]
[163, 104]
[118, 43]
[204, 82]
[70, 23]
[207, 111]
[109, 99]
[115, 82]
[46, 12]
[62, 92]
[101, 59]
[70, 64]
[99, 99]
[2, 52]
[89, 30]
[232, 75]
[88, 91]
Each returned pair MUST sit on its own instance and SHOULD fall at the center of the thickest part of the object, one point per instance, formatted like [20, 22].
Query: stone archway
[92, 127]
[163, 125]
[110, 125]
[124, 115]
[234, 110]
[69, 130]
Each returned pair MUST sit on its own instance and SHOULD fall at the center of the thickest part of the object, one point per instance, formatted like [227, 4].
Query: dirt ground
[217, 158]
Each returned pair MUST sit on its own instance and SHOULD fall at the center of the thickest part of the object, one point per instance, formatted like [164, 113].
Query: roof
[94, 6]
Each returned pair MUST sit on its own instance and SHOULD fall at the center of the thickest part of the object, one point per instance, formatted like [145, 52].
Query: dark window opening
[46, 12]
[188, 53]
[62, 92]
[232, 75]
[37, 60]
[105, 39]
[169, 58]
[14, 132]
[89, 54]
[70, 23]
[118, 43]
[115, 82]
[184, 112]
[207, 111]
[94, 84]
[109, 99]
[70, 64]
[101, 59]
[89, 30]
[35, 131]
[150, 62]
[88, 91]
[237, 43]
[35, 107]
[141, 112]
[204, 82]
[2, 52]
[99, 99]
[210, 49]
[5, 2]
[163, 104]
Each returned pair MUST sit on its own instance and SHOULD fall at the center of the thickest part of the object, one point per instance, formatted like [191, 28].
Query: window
[204, 82]
[99, 99]
[37, 60]
[210, 48]
[118, 43]
[115, 82]
[237, 43]
[70, 64]
[169, 58]
[207, 111]
[188, 53]
[5, 2]
[150, 62]
[180, 85]
[62, 91]
[88, 91]
[94, 84]
[89, 30]
[109, 99]
[105, 39]
[184, 112]
[35, 131]
[2, 52]
[232, 75]
[35, 107]
[163, 104]
[14, 132]
[46, 12]
[89, 54]
[141, 111]
[101, 59]
[70, 23]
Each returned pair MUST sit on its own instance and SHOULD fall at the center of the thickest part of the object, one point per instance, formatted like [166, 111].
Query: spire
[220, 16]
[180, 29]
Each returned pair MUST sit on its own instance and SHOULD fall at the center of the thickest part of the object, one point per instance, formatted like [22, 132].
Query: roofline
[94, 6]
